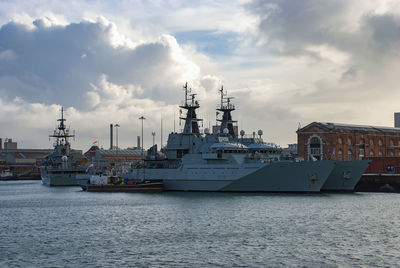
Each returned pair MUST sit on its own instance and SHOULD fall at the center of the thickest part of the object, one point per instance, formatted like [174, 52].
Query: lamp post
[142, 118]
[116, 129]
[144, 175]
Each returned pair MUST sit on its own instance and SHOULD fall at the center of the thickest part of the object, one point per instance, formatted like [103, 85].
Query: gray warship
[343, 178]
[62, 165]
[222, 162]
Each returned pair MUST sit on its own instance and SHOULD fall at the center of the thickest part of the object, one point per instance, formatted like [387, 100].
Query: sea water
[66, 227]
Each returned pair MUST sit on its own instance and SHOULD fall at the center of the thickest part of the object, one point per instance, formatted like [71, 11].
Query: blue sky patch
[210, 42]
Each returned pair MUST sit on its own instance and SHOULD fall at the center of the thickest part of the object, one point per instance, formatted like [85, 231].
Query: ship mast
[226, 107]
[191, 120]
[61, 134]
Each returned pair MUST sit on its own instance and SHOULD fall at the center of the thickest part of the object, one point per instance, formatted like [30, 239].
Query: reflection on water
[43, 226]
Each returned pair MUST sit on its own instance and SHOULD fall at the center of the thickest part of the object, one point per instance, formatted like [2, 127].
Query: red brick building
[323, 140]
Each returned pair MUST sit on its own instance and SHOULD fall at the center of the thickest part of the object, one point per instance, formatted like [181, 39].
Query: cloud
[94, 71]
[66, 59]
[336, 54]
[292, 27]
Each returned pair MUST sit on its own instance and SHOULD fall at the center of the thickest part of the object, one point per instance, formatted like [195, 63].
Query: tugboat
[62, 165]
[216, 162]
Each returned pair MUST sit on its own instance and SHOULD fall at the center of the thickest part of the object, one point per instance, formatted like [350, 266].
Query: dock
[379, 182]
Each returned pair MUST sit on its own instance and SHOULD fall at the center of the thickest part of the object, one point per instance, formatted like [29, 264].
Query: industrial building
[20, 162]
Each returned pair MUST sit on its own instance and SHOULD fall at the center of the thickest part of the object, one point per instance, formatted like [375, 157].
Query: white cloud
[113, 81]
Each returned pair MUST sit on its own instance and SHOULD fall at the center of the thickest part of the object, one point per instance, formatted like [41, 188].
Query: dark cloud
[291, 27]
[50, 63]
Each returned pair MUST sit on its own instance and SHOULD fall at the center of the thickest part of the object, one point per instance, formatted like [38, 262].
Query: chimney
[111, 136]
[1, 144]
[138, 142]
[396, 119]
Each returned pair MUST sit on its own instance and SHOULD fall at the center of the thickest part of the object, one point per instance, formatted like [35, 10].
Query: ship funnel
[111, 136]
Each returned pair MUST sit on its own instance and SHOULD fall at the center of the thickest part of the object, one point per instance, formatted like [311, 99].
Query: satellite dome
[226, 131]
[242, 132]
[64, 158]
[260, 132]
[206, 130]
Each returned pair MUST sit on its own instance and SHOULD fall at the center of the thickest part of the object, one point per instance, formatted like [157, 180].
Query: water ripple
[65, 227]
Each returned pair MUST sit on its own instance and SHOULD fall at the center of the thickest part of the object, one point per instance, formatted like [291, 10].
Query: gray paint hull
[271, 177]
[345, 175]
[58, 177]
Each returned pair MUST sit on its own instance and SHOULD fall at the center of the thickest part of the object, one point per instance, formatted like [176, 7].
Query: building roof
[120, 152]
[363, 128]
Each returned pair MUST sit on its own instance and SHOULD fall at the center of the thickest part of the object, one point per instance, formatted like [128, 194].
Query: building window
[315, 145]
[398, 143]
[348, 141]
[349, 155]
[340, 155]
[362, 153]
[391, 154]
[398, 154]
[339, 140]
[380, 154]
[371, 153]
[371, 142]
[380, 142]
[362, 142]
[391, 143]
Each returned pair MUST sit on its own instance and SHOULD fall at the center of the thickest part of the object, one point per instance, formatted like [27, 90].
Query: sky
[286, 63]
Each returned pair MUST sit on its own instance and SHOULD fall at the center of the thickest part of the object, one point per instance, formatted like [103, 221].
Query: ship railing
[226, 106]
[190, 104]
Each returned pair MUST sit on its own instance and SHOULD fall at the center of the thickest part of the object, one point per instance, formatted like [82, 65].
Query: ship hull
[345, 175]
[271, 177]
[83, 180]
[58, 177]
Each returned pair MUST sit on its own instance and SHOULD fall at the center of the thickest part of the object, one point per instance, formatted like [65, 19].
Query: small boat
[145, 187]
[101, 183]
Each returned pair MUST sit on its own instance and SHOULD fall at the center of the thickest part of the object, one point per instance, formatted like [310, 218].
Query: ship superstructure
[219, 162]
[62, 165]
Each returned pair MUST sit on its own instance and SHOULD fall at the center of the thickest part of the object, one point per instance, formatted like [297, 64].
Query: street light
[144, 174]
[142, 118]
[116, 129]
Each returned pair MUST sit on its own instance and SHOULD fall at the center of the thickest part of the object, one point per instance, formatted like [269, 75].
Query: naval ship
[344, 176]
[207, 162]
[61, 166]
